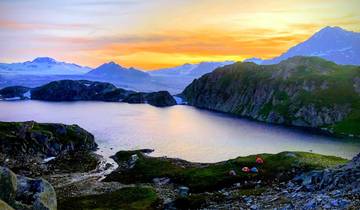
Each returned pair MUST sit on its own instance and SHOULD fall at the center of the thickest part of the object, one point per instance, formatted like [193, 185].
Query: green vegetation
[201, 178]
[301, 91]
[130, 198]
[15, 131]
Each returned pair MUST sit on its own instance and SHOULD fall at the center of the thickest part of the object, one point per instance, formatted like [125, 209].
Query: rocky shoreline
[84, 90]
[64, 156]
[300, 91]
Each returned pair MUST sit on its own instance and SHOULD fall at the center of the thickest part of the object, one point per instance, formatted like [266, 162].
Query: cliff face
[43, 139]
[301, 91]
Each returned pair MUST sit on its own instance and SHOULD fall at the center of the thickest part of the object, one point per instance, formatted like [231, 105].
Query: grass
[216, 176]
[129, 198]
[284, 89]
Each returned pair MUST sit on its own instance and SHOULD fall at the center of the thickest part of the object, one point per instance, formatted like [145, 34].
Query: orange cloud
[205, 45]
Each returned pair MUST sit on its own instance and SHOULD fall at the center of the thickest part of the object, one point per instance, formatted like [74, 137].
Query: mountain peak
[331, 43]
[331, 29]
[111, 64]
[44, 60]
[330, 32]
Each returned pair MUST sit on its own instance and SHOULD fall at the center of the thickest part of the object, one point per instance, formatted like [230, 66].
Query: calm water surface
[178, 131]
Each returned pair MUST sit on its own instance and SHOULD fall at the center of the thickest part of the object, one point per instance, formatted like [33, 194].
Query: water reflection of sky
[179, 131]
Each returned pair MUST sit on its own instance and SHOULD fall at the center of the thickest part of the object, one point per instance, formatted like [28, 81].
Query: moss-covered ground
[129, 198]
[200, 178]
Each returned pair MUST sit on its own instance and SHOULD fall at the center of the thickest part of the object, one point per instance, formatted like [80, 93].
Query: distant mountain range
[191, 70]
[43, 66]
[331, 43]
[112, 72]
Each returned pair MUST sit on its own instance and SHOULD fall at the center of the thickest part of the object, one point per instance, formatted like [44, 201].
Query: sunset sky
[150, 34]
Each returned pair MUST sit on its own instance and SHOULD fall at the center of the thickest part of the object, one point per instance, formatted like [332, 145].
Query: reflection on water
[178, 131]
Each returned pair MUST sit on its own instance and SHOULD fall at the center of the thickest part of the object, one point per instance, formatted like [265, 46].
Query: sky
[151, 34]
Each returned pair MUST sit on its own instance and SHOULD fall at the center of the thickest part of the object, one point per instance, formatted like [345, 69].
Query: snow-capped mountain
[190, 70]
[331, 43]
[112, 71]
[43, 66]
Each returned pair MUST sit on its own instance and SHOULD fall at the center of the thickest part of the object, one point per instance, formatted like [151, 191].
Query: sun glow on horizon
[156, 34]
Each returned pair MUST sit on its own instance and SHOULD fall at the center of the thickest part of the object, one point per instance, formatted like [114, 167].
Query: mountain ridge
[331, 43]
[307, 92]
[113, 71]
[191, 70]
[43, 66]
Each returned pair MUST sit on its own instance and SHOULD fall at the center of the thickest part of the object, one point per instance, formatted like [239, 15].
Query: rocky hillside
[84, 90]
[15, 92]
[75, 90]
[300, 91]
[43, 139]
[24, 147]
[160, 98]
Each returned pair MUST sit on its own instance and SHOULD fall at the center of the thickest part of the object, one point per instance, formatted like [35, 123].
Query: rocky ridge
[331, 188]
[25, 146]
[306, 92]
[84, 90]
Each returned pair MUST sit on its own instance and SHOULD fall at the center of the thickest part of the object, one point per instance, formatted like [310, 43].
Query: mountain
[301, 91]
[331, 43]
[190, 70]
[113, 72]
[42, 66]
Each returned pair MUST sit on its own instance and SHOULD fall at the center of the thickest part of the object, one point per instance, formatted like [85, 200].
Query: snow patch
[48, 159]
[27, 95]
[12, 99]
[179, 100]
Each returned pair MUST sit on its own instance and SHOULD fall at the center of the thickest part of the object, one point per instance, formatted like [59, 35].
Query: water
[179, 131]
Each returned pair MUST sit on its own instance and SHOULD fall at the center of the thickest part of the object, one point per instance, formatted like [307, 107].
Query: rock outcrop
[25, 145]
[72, 90]
[160, 99]
[302, 91]
[83, 90]
[19, 192]
[15, 92]
[43, 139]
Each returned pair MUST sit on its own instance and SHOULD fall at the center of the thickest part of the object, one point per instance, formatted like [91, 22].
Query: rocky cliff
[43, 139]
[300, 91]
[25, 145]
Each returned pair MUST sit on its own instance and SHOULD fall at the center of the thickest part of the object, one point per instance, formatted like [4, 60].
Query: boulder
[37, 192]
[8, 185]
[20, 192]
[183, 191]
[5, 206]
